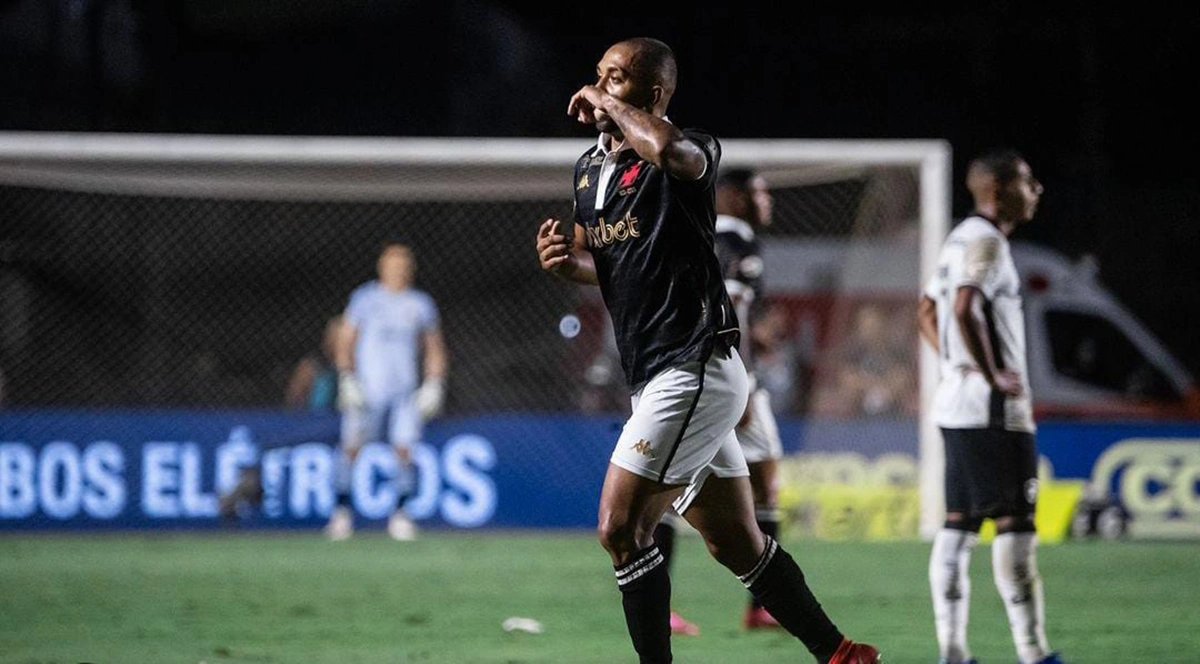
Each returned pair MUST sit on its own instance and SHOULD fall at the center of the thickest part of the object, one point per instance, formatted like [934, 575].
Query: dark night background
[1094, 98]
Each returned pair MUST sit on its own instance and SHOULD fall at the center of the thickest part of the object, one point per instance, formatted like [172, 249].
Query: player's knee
[960, 521]
[617, 536]
[1019, 523]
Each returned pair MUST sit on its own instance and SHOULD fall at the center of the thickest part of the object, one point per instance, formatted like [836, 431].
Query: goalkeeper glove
[430, 397]
[350, 394]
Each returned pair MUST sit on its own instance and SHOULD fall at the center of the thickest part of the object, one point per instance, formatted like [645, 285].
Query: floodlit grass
[164, 598]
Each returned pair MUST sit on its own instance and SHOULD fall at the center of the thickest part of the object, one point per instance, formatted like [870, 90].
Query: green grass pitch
[163, 598]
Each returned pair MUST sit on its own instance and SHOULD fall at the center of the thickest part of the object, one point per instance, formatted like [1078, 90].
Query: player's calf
[1014, 568]
[950, 586]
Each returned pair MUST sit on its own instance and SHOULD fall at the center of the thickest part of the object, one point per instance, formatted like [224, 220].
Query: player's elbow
[964, 316]
[927, 312]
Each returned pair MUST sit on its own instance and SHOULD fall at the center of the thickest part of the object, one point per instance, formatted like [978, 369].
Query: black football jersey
[651, 237]
[741, 263]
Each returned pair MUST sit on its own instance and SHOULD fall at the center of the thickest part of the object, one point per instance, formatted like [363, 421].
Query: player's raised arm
[565, 256]
[653, 138]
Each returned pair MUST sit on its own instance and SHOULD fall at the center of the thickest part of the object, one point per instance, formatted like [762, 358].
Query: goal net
[146, 272]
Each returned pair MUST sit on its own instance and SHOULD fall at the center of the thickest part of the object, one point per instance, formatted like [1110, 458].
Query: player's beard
[606, 125]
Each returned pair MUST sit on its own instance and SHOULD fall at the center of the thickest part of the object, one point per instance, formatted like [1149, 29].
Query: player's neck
[989, 212]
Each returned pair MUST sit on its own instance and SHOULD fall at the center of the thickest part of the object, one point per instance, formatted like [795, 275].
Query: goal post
[149, 270]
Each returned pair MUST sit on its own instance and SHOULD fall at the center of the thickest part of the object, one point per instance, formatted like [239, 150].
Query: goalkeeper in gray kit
[391, 361]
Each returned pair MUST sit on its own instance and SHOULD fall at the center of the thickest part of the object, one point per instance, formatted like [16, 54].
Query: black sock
[664, 537]
[779, 585]
[646, 597]
[770, 527]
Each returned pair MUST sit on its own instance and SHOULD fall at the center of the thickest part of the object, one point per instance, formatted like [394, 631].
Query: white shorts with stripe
[760, 435]
[681, 430]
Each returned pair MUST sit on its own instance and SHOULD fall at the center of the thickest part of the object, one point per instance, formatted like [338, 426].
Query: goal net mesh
[139, 279]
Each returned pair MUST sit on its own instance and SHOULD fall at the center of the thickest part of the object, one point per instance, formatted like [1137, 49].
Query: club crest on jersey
[583, 182]
[604, 233]
[625, 184]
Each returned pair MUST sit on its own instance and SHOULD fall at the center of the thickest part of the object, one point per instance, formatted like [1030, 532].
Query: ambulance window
[1093, 350]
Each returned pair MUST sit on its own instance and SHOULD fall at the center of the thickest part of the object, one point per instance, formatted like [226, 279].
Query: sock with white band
[645, 589]
[777, 582]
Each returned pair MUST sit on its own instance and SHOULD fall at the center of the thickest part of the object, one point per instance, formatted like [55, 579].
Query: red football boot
[855, 653]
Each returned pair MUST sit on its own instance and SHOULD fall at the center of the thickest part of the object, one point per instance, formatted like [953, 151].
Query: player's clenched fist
[553, 247]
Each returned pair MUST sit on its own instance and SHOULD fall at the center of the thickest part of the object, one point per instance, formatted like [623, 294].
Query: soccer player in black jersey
[643, 232]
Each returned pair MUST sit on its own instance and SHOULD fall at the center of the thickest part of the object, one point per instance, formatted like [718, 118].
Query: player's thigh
[361, 426]
[681, 419]
[1000, 470]
[1017, 469]
[727, 464]
[404, 426]
[956, 478]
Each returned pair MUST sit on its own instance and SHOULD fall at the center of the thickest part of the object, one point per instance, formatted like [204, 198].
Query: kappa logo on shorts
[642, 447]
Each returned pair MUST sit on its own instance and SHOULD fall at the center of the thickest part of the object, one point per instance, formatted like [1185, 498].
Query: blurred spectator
[778, 361]
[873, 373]
[603, 389]
[313, 383]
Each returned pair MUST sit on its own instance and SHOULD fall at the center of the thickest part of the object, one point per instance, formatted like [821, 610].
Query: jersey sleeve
[981, 262]
[932, 285]
[356, 308]
[712, 153]
[430, 318]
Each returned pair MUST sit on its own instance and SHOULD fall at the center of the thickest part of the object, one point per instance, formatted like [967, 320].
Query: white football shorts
[760, 435]
[367, 425]
[681, 428]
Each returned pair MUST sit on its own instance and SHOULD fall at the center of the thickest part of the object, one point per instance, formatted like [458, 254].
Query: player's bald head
[653, 61]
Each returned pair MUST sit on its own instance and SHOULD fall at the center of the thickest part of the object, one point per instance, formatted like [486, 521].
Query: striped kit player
[971, 314]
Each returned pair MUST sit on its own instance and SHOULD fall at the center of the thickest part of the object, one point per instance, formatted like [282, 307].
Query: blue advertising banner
[169, 469]
[1152, 470]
